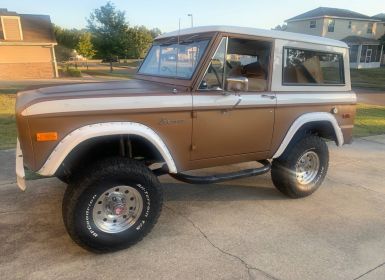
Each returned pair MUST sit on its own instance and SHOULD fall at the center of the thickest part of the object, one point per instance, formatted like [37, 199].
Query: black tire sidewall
[284, 168]
[91, 235]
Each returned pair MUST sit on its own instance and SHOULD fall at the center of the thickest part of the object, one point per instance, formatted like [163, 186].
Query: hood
[84, 90]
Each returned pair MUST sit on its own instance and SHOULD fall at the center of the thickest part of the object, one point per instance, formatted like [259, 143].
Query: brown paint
[202, 137]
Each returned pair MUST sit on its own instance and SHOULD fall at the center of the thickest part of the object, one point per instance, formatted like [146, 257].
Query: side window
[239, 59]
[308, 67]
[249, 59]
[213, 79]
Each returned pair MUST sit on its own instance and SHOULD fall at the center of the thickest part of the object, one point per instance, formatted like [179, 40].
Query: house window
[353, 53]
[11, 28]
[350, 24]
[331, 24]
[308, 67]
[313, 24]
[370, 28]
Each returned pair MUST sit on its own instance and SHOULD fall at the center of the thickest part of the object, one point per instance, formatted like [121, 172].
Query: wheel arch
[322, 124]
[99, 131]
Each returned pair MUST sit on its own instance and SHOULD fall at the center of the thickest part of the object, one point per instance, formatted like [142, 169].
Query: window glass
[249, 59]
[313, 24]
[244, 59]
[309, 67]
[370, 28]
[353, 53]
[331, 24]
[377, 57]
[173, 59]
[213, 78]
[350, 24]
[363, 53]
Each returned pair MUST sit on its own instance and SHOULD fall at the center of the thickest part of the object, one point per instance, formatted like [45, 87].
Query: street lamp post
[192, 19]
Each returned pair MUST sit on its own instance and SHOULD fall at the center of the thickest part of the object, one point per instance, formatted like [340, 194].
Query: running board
[223, 177]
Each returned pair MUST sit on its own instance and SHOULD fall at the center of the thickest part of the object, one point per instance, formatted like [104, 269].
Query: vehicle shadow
[31, 221]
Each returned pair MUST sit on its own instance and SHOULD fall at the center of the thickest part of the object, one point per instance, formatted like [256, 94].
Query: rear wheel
[112, 205]
[302, 167]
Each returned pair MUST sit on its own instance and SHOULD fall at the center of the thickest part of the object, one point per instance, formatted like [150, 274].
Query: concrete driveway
[241, 229]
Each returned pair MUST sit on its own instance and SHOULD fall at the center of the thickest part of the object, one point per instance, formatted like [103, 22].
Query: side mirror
[237, 84]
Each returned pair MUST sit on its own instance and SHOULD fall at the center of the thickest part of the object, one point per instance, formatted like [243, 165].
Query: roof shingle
[35, 28]
[332, 12]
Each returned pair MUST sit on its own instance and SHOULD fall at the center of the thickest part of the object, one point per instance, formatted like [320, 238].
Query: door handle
[268, 96]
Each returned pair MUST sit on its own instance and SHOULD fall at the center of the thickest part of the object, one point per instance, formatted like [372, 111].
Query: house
[26, 46]
[360, 32]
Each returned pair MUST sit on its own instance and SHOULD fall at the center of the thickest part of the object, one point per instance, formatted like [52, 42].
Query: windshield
[174, 60]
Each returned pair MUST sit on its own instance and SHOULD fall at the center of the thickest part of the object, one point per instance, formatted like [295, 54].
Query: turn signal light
[46, 136]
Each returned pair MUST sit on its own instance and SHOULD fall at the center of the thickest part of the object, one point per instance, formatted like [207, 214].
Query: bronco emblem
[165, 121]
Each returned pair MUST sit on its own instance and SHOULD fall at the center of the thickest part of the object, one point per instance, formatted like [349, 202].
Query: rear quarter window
[310, 67]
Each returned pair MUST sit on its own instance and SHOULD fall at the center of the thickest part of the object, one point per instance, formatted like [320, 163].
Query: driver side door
[228, 120]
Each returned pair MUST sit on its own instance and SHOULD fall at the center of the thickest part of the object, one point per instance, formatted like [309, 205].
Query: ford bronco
[202, 97]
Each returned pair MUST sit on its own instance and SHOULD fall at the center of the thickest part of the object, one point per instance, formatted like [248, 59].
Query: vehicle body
[203, 97]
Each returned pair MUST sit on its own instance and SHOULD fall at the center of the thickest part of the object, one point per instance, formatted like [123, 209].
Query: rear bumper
[20, 174]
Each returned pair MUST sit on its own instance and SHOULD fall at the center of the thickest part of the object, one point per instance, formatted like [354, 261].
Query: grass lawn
[7, 121]
[104, 73]
[373, 79]
[370, 120]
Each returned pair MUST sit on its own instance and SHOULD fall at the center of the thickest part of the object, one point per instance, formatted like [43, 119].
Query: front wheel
[113, 205]
[302, 168]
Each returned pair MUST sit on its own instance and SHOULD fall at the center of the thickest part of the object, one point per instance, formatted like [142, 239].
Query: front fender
[73, 139]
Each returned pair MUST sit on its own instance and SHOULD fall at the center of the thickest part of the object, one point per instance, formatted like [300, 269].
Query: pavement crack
[8, 183]
[369, 271]
[243, 262]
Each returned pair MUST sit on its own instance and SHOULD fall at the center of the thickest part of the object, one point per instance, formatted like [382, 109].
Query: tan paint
[215, 131]
[219, 135]
[286, 115]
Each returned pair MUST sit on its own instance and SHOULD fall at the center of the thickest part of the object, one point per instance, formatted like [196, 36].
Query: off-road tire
[89, 188]
[284, 171]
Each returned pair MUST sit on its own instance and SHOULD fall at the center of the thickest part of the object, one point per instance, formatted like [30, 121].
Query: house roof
[330, 12]
[379, 16]
[256, 32]
[360, 40]
[35, 28]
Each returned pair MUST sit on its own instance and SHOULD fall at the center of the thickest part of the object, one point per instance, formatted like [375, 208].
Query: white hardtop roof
[257, 32]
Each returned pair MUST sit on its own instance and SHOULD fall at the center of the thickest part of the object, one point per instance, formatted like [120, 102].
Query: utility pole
[192, 19]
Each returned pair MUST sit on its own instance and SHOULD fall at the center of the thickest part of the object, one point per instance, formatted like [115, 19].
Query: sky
[165, 14]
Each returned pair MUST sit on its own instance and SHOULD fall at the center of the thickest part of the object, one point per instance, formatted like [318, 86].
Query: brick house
[360, 32]
[26, 46]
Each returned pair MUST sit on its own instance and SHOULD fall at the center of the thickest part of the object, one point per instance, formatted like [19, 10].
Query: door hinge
[193, 147]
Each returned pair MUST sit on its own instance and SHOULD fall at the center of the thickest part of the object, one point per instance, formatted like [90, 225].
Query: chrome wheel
[307, 167]
[117, 209]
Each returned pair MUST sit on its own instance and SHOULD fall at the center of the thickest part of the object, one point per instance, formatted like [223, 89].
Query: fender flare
[307, 118]
[73, 139]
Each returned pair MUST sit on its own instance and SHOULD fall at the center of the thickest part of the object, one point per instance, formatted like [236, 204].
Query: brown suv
[202, 97]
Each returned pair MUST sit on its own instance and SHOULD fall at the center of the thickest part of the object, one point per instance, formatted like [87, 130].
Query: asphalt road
[241, 229]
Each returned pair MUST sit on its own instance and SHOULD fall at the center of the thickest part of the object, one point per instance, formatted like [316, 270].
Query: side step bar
[223, 177]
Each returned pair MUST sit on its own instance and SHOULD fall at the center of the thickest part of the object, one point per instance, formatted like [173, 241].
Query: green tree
[138, 40]
[85, 47]
[68, 38]
[155, 32]
[108, 27]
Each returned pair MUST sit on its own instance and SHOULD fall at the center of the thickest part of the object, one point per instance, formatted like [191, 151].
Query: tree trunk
[87, 63]
[111, 69]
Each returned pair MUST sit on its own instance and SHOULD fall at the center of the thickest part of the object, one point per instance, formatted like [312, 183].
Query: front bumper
[20, 173]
